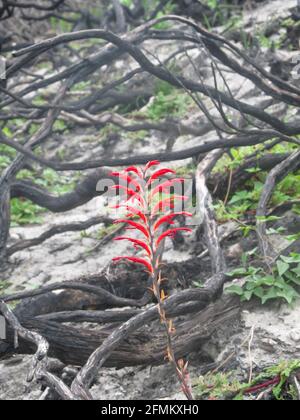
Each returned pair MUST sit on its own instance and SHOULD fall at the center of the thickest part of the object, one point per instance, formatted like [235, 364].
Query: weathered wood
[121, 281]
[276, 175]
[74, 346]
[205, 208]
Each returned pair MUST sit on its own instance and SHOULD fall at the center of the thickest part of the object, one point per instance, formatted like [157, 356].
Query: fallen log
[73, 346]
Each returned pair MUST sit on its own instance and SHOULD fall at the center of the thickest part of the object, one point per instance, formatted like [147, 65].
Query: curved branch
[109, 298]
[254, 137]
[276, 175]
[57, 230]
[206, 211]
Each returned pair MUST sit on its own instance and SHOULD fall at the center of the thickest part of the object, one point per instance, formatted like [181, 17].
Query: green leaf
[282, 267]
[288, 296]
[293, 258]
[296, 271]
[247, 296]
[240, 196]
[268, 281]
[198, 284]
[235, 289]
[259, 292]
[238, 272]
[268, 218]
[293, 276]
[271, 294]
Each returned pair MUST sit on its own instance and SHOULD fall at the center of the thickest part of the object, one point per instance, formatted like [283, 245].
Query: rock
[295, 336]
[235, 251]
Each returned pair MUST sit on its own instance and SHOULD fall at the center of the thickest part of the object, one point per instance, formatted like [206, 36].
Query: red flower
[169, 217]
[136, 225]
[151, 164]
[160, 173]
[148, 225]
[135, 170]
[136, 242]
[171, 233]
[133, 212]
[141, 261]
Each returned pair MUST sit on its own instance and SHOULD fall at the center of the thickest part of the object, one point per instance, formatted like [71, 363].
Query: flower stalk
[149, 207]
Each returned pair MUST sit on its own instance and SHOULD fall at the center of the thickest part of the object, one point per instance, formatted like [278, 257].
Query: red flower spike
[135, 225]
[137, 242]
[169, 217]
[141, 261]
[160, 173]
[171, 233]
[138, 206]
[151, 164]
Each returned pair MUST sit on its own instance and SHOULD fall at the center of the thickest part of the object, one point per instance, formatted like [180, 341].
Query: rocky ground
[264, 336]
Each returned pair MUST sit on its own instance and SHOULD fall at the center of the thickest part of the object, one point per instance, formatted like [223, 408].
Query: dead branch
[57, 230]
[38, 369]
[276, 175]
[207, 211]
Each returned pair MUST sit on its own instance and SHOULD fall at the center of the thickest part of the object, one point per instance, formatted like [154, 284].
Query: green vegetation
[60, 25]
[25, 212]
[6, 156]
[220, 386]
[4, 285]
[104, 231]
[280, 284]
[244, 202]
[168, 101]
[60, 125]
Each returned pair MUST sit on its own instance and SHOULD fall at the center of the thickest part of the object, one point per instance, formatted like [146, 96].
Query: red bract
[159, 173]
[136, 225]
[169, 218]
[141, 261]
[137, 242]
[151, 164]
[171, 233]
[135, 170]
[134, 212]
